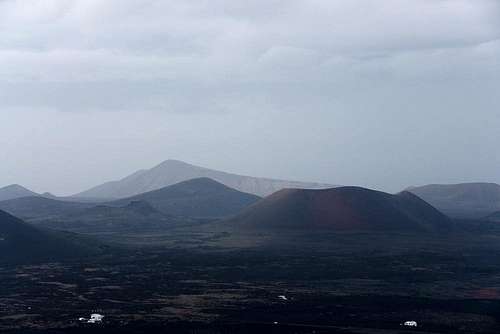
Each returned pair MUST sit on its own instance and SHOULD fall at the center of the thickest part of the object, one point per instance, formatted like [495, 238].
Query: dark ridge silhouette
[342, 209]
[464, 201]
[21, 242]
[201, 197]
[135, 208]
[136, 216]
[15, 191]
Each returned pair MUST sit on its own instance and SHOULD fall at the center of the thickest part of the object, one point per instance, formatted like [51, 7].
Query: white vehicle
[410, 324]
[95, 317]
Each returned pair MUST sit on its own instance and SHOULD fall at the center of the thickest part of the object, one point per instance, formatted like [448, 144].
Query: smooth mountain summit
[200, 197]
[342, 209]
[173, 171]
[15, 191]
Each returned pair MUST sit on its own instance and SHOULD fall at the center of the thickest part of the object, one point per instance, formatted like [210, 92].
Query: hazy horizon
[261, 176]
[380, 94]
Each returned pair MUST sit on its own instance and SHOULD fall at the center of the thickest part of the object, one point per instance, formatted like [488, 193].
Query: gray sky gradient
[378, 93]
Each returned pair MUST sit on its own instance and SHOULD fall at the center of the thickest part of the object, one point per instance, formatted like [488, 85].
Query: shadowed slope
[36, 207]
[200, 197]
[342, 209]
[20, 242]
[136, 216]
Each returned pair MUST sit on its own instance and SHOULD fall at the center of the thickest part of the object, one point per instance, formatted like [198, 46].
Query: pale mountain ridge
[463, 200]
[171, 172]
[14, 191]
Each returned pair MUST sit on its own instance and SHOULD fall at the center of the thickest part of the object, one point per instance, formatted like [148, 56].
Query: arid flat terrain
[219, 283]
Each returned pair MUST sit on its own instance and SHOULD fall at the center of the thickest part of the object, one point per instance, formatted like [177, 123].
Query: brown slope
[342, 209]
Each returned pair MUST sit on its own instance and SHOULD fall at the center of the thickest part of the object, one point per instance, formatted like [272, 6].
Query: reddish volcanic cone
[342, 209]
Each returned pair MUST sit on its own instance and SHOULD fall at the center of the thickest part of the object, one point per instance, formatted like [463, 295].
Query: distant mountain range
[173, 171]
[15, 191]
[21, 242]
[201, 197]
[465, 200]
[341, 209]
[176, 188]
[187, 202]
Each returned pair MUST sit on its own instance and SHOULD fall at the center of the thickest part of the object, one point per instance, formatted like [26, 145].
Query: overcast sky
[378, 93]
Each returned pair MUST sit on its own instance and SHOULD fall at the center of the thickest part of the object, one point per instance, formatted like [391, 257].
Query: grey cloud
[376, 93]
